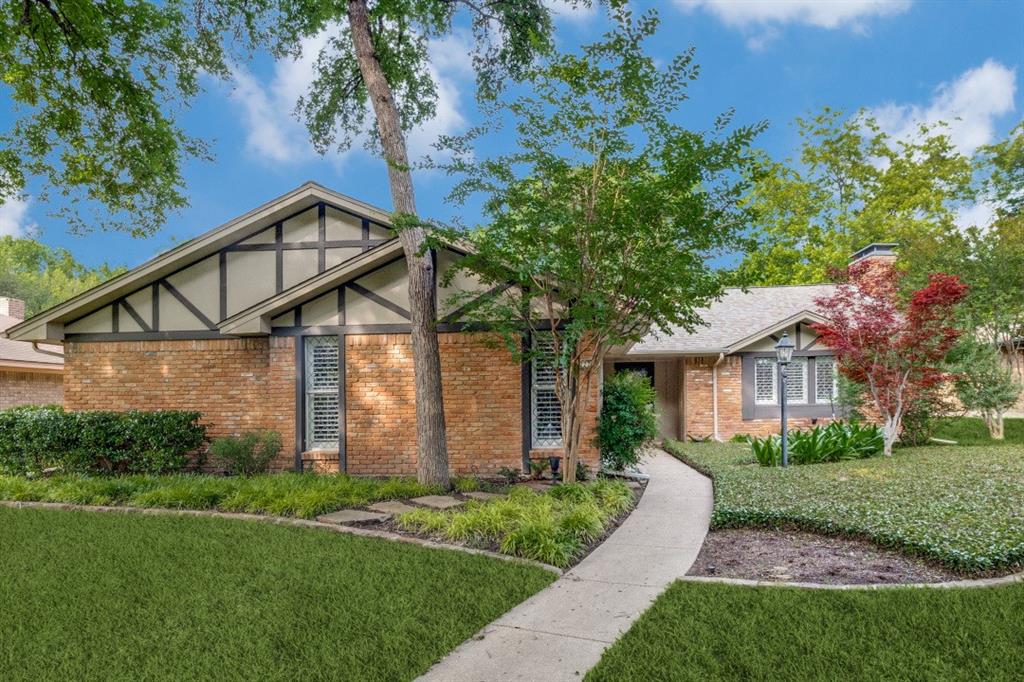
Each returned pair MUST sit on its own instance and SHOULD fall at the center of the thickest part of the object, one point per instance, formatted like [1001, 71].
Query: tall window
[322, 405]
[825, 384]
[796, 381]
[764, 381]
[545, 410]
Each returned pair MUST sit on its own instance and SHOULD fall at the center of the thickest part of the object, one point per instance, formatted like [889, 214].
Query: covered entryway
[665, 377]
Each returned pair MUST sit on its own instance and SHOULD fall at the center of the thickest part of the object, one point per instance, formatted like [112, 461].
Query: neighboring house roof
[739, 319]
[21, 354]
[49, 325]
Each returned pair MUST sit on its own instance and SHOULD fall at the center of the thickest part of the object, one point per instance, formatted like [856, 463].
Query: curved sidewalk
[561, 632]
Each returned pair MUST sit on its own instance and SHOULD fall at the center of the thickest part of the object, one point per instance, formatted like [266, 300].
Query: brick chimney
[12, 307]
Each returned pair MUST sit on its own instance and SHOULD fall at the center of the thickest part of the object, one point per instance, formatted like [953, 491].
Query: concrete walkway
[561, 632]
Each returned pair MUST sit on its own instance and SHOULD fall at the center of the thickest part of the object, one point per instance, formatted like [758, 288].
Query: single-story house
[295, 317]
[30, 374]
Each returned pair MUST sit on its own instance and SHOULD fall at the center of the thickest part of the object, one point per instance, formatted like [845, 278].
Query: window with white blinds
[825, 383]
[764, 381]
[322, 404]
[796, 381]
[546, 412]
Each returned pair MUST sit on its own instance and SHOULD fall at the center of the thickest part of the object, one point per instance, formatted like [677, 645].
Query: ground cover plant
[724, 632]
[553, 527]
[961, 506]
[92, 596]
[973, 431]
[833, 443]
[284, 494]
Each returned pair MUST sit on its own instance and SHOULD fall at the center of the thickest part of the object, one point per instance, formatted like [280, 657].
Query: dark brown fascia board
[303, 197]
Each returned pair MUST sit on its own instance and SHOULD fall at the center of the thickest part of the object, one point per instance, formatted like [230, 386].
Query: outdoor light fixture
[784, 353]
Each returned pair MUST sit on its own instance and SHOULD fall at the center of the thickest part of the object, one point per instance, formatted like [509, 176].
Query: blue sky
[772, 60]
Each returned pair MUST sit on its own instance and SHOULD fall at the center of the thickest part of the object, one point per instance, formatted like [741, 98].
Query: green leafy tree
[96, 86]
[43, 276]
[851, 185]
[599, 227]
[984, 384]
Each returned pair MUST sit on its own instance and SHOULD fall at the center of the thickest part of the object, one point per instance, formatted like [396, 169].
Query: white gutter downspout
[714, 396]
[36, 348]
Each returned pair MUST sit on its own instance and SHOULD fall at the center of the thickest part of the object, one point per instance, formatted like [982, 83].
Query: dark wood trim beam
[278, 258]
[364, 244]
[128, 308]
[342, 415]
[199, 315]
[155, 303]
[470, 305]
[115, 317]
[379, 300]
[223, 285]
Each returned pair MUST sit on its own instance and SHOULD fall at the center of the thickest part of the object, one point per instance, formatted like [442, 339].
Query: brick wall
[699, 406]
[30, 388]
[482, 394]
[237, 384]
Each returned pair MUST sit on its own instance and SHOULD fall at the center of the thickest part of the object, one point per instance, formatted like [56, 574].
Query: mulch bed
[796, 556]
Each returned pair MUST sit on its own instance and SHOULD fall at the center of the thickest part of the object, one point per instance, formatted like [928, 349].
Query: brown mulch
[796, 556]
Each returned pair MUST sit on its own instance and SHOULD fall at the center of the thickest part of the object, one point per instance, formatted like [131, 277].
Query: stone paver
[438, 501]
[351, 516]
[483, 497]
[560, 632]
[391, 507]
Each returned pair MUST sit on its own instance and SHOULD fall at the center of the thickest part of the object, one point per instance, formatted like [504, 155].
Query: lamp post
[783, 354]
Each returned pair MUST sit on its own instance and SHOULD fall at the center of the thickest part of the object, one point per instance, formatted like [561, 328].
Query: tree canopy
[600, 226]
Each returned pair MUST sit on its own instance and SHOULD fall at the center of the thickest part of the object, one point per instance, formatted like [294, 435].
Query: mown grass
[288, 494]
[90, 596]
[553, 527]
[723, 632]
[962, 506]
[972, 431]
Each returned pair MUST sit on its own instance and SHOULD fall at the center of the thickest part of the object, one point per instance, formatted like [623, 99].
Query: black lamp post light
[784, 353]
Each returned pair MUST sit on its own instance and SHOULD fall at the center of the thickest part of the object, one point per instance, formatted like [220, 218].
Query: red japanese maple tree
[892, 344]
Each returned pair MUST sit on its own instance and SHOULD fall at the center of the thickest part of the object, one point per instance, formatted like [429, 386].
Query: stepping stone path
[483, 497]
[437, 501]
[391, 507]
[351, 516]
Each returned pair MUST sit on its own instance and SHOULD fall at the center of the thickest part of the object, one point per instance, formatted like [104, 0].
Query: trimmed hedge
[36, 438]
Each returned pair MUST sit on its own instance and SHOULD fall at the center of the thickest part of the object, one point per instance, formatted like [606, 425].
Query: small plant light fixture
[783, 355]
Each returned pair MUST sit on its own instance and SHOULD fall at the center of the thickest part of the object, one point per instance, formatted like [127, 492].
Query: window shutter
[796, 381]
[764, 381]
[322, 404]
[546, 412]
[825, 384]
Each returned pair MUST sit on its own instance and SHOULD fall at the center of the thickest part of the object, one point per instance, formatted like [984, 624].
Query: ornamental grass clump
[553, 527]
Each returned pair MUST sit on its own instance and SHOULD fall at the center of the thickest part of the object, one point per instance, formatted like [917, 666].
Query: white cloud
[763, 19]
[970, 105]
[975, 215]
[274, 135]
[14, 219]
[578, 14]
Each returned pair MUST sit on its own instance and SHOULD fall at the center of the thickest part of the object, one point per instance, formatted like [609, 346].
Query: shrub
[832, 443]
[248, 454]
[32, 439]
[628, 419]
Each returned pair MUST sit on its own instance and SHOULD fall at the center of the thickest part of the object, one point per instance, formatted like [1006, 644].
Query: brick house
[29, 374]
[294, 317]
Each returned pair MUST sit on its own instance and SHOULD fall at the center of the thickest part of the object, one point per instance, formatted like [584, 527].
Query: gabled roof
[739, 319]
[22, 355]
[49, 324]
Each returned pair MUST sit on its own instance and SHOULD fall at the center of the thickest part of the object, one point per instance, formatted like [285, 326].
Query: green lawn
[86, 596]
[724, 632]
[963, 506]
[972, 430]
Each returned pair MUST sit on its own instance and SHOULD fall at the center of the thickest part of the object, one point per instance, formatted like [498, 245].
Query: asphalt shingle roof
[738, 315]
[22, 351]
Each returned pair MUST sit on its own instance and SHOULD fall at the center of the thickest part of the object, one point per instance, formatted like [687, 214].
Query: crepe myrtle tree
[892, 344]
[983, 383]
[599, 227]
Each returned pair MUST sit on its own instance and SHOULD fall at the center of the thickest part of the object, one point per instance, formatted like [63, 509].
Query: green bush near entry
[628, 419]
[248, 454]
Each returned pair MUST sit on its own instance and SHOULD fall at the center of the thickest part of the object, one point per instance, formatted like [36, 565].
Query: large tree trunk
[432, 461]
[890, 432]
[995, 425]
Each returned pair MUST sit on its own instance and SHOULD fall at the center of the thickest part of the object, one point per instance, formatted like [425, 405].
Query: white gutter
[714, 396]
